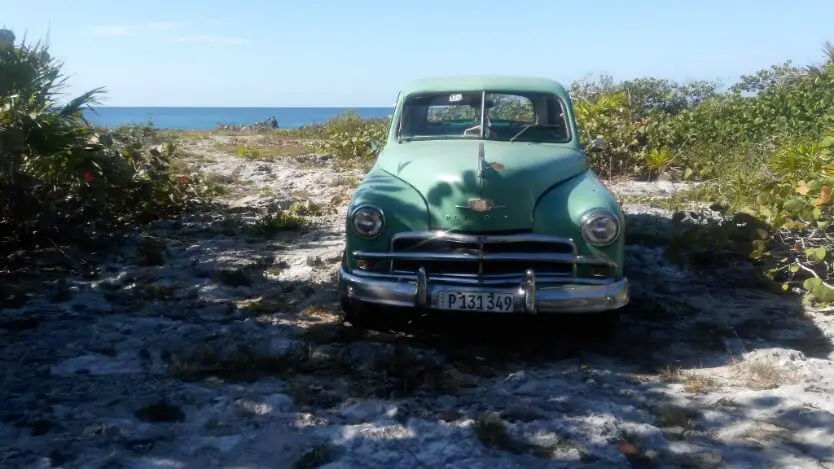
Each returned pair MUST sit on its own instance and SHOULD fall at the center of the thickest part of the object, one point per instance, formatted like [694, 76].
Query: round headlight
[368, 221]
[600, 228]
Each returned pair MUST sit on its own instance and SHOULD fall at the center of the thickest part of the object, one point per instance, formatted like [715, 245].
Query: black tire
[351, 313]
[604, 325]
[363, 317]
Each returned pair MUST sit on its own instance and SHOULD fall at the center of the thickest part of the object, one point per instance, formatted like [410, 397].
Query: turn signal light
[365, 265]
[599, 271]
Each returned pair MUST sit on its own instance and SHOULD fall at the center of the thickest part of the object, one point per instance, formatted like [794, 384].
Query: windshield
[509, 116]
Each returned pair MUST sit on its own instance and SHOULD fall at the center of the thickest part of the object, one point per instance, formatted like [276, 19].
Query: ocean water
[207, 118]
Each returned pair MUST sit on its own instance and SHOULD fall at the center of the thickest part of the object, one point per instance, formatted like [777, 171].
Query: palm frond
[86, 99]
[828, 50]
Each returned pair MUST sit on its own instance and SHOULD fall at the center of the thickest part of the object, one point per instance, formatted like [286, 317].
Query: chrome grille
[481, 259]
[443, 253]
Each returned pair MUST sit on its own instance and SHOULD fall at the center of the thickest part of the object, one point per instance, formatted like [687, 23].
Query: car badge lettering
[480, 205]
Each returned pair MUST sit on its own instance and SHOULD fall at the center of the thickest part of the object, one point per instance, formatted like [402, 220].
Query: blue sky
[358, 53]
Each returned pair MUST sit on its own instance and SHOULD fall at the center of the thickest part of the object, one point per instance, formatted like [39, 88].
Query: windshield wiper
[529, 126]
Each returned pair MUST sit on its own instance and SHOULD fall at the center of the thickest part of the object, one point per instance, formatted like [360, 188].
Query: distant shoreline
[208, 118]
[239, 107]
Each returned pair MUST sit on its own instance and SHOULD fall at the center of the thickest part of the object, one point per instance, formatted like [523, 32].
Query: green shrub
[60, 178]
[789, 187]
[349, 137]
[759, 147]
[798, 203]
[699, 124]
[608, 114]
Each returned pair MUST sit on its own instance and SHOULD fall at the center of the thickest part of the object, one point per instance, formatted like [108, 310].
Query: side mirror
[597, 143]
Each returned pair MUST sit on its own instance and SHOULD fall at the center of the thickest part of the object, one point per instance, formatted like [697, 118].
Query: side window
[511, 107]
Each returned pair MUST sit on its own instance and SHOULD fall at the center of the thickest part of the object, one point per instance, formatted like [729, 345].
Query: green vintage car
[481, 200]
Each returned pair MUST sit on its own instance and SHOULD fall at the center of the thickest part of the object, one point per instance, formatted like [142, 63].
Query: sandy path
[230, 354]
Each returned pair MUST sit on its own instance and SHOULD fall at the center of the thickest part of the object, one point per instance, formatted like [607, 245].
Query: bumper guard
[572, 295]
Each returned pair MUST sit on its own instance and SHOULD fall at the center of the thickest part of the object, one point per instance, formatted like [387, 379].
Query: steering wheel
[475, 130]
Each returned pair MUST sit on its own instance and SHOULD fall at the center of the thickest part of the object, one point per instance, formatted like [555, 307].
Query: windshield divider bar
[483, 114]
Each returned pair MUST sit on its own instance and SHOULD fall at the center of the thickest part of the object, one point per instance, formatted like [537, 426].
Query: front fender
[404, 209]
[559, 212]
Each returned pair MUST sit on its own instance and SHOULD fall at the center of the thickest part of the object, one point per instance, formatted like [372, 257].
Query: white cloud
[164, 25]
[133, 30]
[114, 30]
[232, 41]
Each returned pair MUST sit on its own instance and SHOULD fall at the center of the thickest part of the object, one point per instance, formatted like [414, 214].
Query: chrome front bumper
[570, 295]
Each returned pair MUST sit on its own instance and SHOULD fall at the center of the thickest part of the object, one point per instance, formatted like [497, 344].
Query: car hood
[445, 173]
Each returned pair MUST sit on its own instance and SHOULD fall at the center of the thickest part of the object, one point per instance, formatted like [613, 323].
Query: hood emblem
[480, 205]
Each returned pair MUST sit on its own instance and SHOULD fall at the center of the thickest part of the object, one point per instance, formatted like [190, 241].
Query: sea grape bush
[763, 147]
[698, 124]
[799, 206]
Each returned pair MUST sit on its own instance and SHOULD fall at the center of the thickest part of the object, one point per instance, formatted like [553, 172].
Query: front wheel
[352, 314]
[363, 316]
[604, 325]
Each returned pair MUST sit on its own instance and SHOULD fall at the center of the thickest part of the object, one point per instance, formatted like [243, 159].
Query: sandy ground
[202, 345]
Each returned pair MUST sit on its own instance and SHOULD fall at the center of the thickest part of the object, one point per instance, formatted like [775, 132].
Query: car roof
[488, 82]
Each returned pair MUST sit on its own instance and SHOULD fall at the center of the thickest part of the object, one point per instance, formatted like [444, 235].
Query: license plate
[475, 301]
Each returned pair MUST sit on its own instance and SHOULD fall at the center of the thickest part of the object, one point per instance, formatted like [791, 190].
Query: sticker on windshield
[455, 98]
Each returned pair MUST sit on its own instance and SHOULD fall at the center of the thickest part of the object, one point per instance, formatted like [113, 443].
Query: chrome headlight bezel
[372, 211]
[593, 219]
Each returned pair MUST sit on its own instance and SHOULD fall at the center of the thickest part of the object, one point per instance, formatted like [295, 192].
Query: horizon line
[241, 107]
